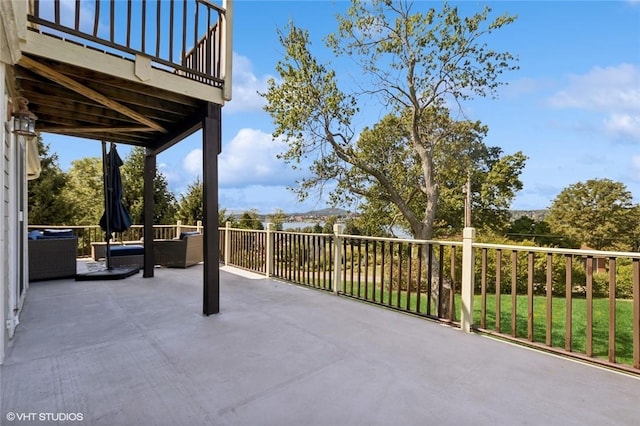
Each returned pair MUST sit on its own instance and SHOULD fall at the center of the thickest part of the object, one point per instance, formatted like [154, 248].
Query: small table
[99, 249]
[127, 255]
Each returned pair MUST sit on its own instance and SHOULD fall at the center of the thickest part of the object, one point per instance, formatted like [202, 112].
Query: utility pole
[467, 201]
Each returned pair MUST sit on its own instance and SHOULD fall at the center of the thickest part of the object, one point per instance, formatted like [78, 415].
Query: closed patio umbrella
[116, 217]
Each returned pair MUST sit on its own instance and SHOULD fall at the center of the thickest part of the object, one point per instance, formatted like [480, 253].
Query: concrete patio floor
[139, 352]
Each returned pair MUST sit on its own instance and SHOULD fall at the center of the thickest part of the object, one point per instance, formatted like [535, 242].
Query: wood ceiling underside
[74, 101]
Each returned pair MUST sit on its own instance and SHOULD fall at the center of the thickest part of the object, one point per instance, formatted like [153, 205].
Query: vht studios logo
[45, 417]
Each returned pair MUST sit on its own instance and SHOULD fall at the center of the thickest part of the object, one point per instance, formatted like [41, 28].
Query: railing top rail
[577, 252]
[348, 236]
[63, 226]
[263, 231]
[319, 234]
[403, 240]
[211, 5]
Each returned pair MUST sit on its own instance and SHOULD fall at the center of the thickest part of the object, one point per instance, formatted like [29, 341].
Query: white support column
[227, 48]
[178, 228]
[466, 314]
[199, 226]
[338, 229]
[269, 249]
[227, 242]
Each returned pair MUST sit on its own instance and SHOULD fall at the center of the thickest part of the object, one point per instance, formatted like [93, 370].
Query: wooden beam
[149, 177]
[71, 84]
[211, 143]
[181, 130]
[129, 138]
[151, 105]
[95, 129]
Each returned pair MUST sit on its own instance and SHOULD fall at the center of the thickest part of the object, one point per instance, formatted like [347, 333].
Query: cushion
[58, 233]
[126, 250]
[186, 234]
[35, 234]
[56, 237]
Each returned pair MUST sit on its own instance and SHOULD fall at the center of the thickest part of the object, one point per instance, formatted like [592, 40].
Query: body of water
[288, 226]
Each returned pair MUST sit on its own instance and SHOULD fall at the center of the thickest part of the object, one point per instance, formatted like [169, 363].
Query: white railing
[582, 303]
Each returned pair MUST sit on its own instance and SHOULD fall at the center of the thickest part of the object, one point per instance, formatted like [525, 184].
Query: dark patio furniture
[179, 253]
[52, 258]
[127, 256]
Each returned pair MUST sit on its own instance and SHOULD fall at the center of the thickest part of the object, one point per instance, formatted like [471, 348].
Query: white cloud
[602, 89]
[624, 125]
[166, 170]
[246, 86]
[250, 158]
[192, 163]
[613, 92]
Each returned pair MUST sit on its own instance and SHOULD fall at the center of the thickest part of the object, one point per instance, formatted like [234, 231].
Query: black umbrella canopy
[116, 217]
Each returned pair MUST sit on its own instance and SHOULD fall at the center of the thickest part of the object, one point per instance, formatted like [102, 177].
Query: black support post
[211, 147]
[149, 177]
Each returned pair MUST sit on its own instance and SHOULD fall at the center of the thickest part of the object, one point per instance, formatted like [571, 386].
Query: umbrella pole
[107, 207]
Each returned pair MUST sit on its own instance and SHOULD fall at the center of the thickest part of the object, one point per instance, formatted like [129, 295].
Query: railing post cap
[271, 226]
[338, 228]
[469, 233]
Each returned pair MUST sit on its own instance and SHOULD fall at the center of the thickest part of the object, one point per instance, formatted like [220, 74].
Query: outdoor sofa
[182, 252]
[52, 254]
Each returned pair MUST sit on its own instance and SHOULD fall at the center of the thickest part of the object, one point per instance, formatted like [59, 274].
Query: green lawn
[624, 323]
[624, 318]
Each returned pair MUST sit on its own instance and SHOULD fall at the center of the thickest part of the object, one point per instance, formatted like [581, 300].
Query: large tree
[190, 207]
[250, 219]
[164, 208]
[526, 228]
[598, 213]
[85, 186]
[278, 217]
[416, 63]
[460, 156]
[48, 203]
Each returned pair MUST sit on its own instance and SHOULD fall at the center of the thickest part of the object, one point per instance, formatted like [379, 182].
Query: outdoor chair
[181, 252]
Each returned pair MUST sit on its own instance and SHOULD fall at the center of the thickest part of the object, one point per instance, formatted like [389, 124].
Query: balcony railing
[581, 303]
[181, 36]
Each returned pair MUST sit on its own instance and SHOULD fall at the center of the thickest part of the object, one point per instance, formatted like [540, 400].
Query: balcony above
[136, 72]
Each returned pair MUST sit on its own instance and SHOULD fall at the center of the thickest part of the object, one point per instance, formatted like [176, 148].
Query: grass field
[623, 330]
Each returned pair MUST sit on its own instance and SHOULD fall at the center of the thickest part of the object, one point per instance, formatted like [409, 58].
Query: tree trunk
[440, 295]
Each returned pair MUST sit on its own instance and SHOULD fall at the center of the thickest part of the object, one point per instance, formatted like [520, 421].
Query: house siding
[5, 266]
[13, 284]
[13, 279]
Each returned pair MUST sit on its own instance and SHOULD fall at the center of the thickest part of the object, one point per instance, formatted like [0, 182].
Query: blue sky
[573, 107]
